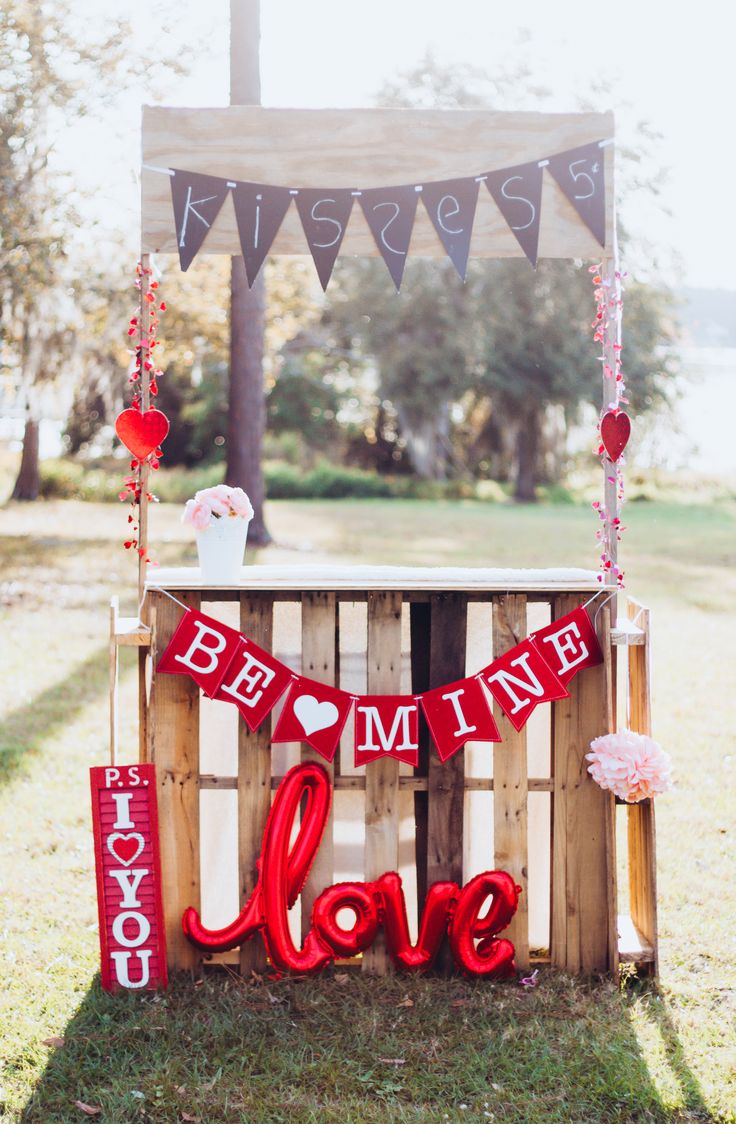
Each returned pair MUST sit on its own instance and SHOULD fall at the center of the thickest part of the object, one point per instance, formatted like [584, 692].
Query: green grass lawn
[342, 1048]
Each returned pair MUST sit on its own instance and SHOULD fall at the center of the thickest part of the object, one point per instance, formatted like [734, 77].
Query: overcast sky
[675, 73]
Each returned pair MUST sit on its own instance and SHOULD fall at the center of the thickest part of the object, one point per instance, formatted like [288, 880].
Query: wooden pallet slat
[641, 821]
[510, 790]
[446, 794]
[583, 827]
[319, 613]
[173, 747]
[254, 777]
[382, 776]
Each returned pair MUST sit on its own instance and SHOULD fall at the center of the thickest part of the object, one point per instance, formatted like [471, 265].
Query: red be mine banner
[230, 667]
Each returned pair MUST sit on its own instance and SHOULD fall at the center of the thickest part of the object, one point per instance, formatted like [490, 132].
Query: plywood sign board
[363, 148]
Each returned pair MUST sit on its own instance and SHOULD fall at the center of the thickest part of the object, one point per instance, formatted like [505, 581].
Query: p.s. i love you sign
[125, 825]
[230, 667]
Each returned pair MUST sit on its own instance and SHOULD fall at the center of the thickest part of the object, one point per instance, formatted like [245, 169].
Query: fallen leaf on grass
[342, 977]
[88, 1109]
[54, 1040]
[460, 1003]
[407, 1001]
[186, 1116]
[393, 1061]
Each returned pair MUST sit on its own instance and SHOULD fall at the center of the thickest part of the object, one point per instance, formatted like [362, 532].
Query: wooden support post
[419, 622]
[145, 654]
[612, 341]
[174, 750]
[641, 823]
[510, 780]
[382, 776]
[113, 680]
[446, 783]
[319, 611]
[583, 935]
[254, 776]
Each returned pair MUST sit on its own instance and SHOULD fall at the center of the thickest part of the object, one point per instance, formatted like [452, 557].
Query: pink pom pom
[632, 766]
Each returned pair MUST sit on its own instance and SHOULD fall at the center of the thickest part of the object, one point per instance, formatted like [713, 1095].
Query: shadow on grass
[23, 731]
[344, 1048]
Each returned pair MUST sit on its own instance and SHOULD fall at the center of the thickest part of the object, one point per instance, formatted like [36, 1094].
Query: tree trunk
[28, 484]
[246, 412]
[527, 453]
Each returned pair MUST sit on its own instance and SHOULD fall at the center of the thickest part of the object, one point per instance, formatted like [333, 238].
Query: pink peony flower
[240, 504]
[632, 766]
[198, 514]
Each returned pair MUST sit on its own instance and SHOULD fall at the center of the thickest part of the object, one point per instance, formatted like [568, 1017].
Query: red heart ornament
[615, 433]
[141, 433]
[125, 847]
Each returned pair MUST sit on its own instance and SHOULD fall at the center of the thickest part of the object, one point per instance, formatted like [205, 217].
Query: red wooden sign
[125, 825]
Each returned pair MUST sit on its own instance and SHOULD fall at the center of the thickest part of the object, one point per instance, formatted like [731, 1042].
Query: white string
[601, 606]
[171, 597]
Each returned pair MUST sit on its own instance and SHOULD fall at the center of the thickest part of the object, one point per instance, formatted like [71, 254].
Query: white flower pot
[221, 550]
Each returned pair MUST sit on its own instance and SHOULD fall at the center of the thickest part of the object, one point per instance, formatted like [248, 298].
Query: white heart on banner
[125, 846]
[315, 715]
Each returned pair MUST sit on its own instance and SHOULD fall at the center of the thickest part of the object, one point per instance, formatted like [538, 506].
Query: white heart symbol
[119, 846]
[315, 715]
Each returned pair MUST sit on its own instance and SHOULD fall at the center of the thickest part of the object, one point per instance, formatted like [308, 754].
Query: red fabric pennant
[520, 680]
[386, 726]
[202, 648]
[457, 713]
[255, 682]
[316, 714]
[569, 644]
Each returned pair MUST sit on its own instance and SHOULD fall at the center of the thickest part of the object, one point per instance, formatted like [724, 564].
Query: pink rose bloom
[216, 498]
[240, 503]
[632, 766]
[198, 514]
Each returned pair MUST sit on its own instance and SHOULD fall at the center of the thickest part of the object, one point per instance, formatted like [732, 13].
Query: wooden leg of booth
[420, 622]
[583, 937]
[319, 612]
[510, 781]
[641, 825]
[446, 782]
[254, 777]
[173, 747]
[382, 776]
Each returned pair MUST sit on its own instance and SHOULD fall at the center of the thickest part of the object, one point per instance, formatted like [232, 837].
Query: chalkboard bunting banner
[389, 211]
[580, 173]
[231, 668]
[197, 201]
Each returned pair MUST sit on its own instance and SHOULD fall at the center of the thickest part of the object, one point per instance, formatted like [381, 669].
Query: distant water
[706, 411]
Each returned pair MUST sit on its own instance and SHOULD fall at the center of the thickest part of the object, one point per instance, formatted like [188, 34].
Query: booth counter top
[292, 579]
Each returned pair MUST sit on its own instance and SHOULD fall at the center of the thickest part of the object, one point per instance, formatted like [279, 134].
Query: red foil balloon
[439, 901]
[313, 779]
[492, 956]
[356, 896]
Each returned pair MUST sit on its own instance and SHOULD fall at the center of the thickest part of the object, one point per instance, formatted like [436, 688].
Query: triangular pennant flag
[451, 207]
[255, 682]
[569, 644]
[389, 212]
[518, 195]
[581, 173]
[520, 680]
[386, 726]
[202, 648]
[314, 713]
[197, 200]
[324, 216]
[458, 713]
[259, 210]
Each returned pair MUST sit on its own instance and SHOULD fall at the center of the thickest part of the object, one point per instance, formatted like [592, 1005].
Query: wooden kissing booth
[527, 804]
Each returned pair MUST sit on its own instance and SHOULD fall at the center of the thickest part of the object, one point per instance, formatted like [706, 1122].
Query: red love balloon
[615, 433]
[441, 896]
[493, 956]
[141, 433]
[355, 896]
